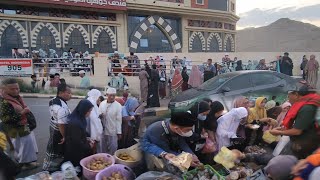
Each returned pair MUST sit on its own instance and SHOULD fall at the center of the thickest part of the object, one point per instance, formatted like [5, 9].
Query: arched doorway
[104, 43]
[154, 40]
[10, 39]
[77, 42]
[46, 41]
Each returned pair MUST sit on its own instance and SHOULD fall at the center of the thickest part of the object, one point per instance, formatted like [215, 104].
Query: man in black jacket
[286, 64]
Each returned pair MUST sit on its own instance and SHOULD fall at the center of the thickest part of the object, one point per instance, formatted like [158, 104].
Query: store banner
[103, 4]
[15, 67]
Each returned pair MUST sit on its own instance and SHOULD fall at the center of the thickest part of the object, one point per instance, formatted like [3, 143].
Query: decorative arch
[228, 36]
[217, 36]
[112, 36]
[82, 30]
[23, 33]
[200, 35]
[163, 25]
[36, 30]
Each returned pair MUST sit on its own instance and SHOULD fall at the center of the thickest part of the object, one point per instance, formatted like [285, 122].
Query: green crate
[195, 171]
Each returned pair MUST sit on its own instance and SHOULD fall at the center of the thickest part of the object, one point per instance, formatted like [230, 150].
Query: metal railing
[47, 66]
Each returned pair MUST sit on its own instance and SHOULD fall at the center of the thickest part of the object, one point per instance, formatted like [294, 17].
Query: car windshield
[216, 81]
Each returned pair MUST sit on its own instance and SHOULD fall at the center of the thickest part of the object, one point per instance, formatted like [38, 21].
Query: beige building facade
[105, 26]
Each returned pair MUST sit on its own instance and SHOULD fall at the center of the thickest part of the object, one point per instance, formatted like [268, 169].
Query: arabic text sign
[103, 4]
[15, 67]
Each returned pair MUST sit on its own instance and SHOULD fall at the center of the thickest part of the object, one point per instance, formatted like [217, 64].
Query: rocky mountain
[280, 36]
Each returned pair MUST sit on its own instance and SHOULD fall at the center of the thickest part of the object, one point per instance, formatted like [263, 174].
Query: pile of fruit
[115, 176]
[202, 174]
[254, 150]
[239, 173]
[98, 164]
[126, 157]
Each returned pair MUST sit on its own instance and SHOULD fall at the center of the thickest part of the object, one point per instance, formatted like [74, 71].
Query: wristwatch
[163, 154]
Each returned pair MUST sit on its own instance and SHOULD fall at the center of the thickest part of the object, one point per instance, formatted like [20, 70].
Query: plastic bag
[269, 138]
[281, 144]
[155, 175]
[209, 146]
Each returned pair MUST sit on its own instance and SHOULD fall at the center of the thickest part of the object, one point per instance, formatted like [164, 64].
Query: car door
[240, 85]
[267, 85]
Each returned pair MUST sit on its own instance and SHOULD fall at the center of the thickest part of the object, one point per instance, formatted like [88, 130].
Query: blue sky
[256, 13]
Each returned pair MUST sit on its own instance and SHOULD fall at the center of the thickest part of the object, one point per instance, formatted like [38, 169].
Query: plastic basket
[90, 174]
[195, 171]
[124, 170]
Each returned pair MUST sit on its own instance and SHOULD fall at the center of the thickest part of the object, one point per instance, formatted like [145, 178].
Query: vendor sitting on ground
[165, 139]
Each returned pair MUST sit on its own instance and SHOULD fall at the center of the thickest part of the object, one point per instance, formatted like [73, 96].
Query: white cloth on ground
[228, 125]
[24, 149]
[112, 117]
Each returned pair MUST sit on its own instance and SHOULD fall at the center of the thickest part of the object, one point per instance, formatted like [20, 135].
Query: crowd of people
[204, 130]
[96, 125]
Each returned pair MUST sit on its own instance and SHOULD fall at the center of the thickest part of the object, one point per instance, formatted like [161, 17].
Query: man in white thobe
[111, 112]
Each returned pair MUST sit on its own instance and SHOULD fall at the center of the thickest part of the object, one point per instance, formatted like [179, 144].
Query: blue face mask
[202, 117]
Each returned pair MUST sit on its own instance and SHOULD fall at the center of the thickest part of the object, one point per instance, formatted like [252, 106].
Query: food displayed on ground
[98, 164]
[182, 161]
[254, 150]
[202, 173]
[239, 173]
[115, 176]
[126, 157]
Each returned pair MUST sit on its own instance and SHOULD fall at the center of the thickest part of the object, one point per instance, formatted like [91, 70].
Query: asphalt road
[40, 108]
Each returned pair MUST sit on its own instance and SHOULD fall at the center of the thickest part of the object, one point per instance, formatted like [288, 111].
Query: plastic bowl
[90, 174]
[137, 155]
[124, 170]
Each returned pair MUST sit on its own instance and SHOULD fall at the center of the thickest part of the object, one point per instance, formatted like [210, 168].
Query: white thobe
[112, 121]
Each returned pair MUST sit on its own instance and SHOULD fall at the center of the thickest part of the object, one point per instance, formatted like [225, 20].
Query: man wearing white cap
[111, 112]
[85, 81]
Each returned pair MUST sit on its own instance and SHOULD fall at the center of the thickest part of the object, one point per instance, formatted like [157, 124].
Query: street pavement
[40, 108]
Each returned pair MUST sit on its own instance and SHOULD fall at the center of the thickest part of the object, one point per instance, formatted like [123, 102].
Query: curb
[49, 96]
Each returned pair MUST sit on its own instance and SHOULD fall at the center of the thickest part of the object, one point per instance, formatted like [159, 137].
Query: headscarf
[195, 77]
[239, 101]
[18, 105]
[279, 167]
[216, 107]
[312, 65]
[93, 95]
[177, 80]
[77, 117]
[270, 104]
[199, 107]
[283, 113]
[257, 112]
[129, 107]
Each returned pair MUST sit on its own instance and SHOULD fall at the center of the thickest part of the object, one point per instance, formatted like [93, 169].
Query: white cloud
[247, 5]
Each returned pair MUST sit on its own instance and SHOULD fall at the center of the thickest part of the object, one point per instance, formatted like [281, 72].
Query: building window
[153, 39]
[10, 39]
[104, 44]
[200, 2]
[76, 41]
[46, 40]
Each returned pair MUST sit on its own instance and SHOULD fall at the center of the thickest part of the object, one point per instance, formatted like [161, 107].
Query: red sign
[102, 4]
[14, 67]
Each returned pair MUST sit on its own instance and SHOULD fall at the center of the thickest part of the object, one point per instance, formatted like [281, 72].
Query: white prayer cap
[116, 52]
[111, 91]
[82, 72]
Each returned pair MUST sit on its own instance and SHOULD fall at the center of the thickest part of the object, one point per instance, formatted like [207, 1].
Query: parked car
[226, 87]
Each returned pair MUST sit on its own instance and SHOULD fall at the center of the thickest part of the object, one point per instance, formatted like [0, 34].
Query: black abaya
[153, 91]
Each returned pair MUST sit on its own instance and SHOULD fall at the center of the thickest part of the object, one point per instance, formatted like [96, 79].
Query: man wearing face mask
[166, 139]
[197, 141]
